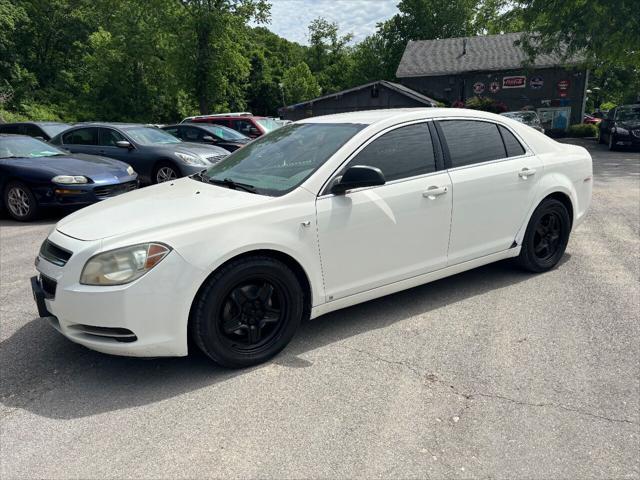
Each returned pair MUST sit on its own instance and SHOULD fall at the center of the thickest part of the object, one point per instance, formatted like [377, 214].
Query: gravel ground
[491, 373]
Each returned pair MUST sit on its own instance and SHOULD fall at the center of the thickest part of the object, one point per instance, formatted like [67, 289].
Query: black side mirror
[124, 144]
[209, 139]
[358, 176]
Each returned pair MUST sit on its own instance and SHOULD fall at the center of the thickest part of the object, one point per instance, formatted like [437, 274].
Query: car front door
[494, 180]
[109, 148]
[376, 236]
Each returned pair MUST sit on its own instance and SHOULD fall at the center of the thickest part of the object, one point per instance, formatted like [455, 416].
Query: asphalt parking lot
[491, 373]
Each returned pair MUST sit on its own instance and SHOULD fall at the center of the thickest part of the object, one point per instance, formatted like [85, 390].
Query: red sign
[514, 82]
[478, 88]
[563, 88]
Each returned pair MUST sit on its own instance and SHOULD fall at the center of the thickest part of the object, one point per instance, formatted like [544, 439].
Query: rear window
[81, 136]
[511, 144]
[472, 141]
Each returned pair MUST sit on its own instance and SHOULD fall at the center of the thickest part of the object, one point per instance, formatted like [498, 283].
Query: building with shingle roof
[497, 66]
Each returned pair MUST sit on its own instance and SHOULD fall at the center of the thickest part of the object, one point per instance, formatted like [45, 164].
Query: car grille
[113, 190]
[54, 254]
[636, 133]
[215, 158]
[48, 286]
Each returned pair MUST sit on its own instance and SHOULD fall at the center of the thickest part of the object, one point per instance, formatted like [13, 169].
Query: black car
[210, 134]
[621, 127]
[156, 155]
[35, 174]
[42, 130]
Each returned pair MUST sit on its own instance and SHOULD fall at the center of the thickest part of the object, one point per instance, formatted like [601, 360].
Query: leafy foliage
[582, 130]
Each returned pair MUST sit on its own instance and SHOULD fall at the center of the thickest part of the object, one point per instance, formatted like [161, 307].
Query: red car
[594, 118]
[244, 122]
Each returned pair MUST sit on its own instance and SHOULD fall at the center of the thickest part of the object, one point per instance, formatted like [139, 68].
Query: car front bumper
[78, 195]
[145, 318]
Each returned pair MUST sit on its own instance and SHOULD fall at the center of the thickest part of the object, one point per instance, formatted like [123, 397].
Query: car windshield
[225, 133]
[268, 124]
[151, 136]
[26, 147]
[628, 114]
[54, 129]
[278, 162]
[528, 118]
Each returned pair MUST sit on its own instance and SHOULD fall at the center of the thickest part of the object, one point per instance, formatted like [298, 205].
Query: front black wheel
[546, 237]
[20, 202]
[247, 312]
[165, 172]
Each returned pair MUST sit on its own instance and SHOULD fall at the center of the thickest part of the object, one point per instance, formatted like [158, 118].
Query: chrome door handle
[434, 191]
[526, 172]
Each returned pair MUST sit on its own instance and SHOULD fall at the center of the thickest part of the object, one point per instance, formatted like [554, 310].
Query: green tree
[329, 55]
[213, 34]
[299, 84]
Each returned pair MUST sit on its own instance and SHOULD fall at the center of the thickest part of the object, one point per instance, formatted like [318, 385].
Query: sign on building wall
[514, 82]
[536, 82]
[478, 88]
[494, 87]
[563, 88]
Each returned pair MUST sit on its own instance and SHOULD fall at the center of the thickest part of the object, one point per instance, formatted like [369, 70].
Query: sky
[290, 18]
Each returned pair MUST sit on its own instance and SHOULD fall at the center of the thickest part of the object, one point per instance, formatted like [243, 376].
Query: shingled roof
[424, 58]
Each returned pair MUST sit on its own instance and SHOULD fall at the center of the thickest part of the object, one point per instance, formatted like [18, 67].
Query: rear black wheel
[20, 202]
[247, 312]
[546, 237]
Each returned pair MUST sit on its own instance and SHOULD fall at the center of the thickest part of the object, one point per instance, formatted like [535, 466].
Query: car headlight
[130, 170]
[69, 179]
[620, 131]
[192, 159]
[123, 265]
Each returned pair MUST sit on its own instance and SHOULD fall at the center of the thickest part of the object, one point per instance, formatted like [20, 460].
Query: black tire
[236, 321]
[161, 172]
[19, 201]
[541, 231]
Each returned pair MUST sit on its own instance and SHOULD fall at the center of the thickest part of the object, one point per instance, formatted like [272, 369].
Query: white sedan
[319, 215]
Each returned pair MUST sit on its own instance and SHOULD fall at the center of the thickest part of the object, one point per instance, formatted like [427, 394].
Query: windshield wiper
[227, 182]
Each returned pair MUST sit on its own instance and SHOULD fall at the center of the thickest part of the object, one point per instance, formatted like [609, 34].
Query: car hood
[169, 204]
[92, 166]
[199, 149]
[629, 125]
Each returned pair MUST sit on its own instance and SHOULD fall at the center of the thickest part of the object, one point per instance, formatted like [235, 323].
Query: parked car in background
[326, 213]
[528, 117]
[210, 134]
[42, 130]
[35, 174]
[593, 118]
[243, 122]
[156, 155]
[621, 127]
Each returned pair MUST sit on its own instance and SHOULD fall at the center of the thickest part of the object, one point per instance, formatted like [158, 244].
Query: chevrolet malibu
[319, 215]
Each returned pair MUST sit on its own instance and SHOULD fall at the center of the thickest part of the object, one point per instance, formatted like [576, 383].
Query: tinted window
[82, 136]
[402, 153]
[33, 131]
[108, 137]
[242, 126]
[511, 143]
[190, 134]
[471, 141]
[173, 131]
[9, 128]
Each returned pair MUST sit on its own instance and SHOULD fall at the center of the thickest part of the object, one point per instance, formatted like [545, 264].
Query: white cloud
[290, 18]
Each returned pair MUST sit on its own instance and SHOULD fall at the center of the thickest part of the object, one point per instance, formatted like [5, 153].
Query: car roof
[112, 124]
[371, 117]
[35, 123]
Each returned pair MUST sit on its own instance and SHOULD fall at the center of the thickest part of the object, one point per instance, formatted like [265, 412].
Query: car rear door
[371, 237]
[494, 179]
[82, 140]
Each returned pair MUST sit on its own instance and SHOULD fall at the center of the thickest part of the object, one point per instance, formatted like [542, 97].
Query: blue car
[35, 174]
